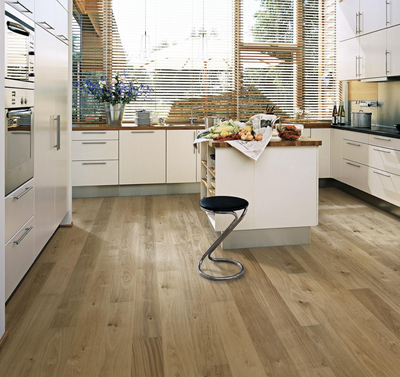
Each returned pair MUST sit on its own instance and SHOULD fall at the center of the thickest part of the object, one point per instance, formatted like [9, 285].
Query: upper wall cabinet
[61, 22]
[45, 14]
[393, 12]
[357, 17]
[372, 58]
[393, 51]
[64, 3]
[27, 7]
[348, 62]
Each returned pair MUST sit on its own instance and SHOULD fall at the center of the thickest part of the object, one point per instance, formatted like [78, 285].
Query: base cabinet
[324, 161]
[142, 157]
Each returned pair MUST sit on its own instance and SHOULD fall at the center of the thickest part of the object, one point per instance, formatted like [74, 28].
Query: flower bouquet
[115, 95]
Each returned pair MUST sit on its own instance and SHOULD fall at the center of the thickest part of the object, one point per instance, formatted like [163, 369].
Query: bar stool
[223, 205]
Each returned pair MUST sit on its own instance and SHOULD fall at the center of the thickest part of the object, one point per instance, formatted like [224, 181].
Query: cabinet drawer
[95, 150]
[19, 208]
[384, 141]
[355, 136]
[355, 175]
[385, 185]
[355, 151]
[20, 254]
[95, 135]
[384, 159]
[94, 173]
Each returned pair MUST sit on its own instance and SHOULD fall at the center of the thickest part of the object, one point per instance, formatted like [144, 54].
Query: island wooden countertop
[302, 142]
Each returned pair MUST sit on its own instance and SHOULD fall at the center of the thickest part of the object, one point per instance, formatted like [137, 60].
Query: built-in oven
[19, 46]
[19, 106]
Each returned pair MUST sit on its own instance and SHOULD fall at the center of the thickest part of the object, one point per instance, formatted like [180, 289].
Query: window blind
[229, 57]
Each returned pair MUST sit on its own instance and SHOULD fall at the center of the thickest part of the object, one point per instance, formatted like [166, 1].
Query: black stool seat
[223, 203]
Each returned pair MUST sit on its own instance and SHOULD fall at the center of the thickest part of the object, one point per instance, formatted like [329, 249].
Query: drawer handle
[92, 133]
[26, 10]
[94, 163]
[19, 240]
[62, 37]
[380, 150]
[94, 142]
[23, 192]
[385, 175]
[350, 163]
[142, 132]
[382, 138]
[49, 27]
[356, 145]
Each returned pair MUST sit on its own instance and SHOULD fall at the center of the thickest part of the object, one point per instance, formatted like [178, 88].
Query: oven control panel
[15, 98]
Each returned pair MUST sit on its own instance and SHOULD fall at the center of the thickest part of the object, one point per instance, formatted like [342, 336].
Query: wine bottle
[334, 115]
[342, 116]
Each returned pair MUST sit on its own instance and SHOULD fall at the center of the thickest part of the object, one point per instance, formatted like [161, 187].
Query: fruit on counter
[224, 133]
[249, 137]
[243, 136]
[249, 129]
[259, 137]
[289, 132]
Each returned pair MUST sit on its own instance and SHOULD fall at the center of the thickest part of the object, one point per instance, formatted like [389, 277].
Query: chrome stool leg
[218, 241]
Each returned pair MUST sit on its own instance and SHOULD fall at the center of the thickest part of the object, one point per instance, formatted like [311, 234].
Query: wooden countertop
[303, 142]
[103, 127]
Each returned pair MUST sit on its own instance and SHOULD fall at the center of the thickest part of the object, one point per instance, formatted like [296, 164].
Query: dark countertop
[376, 130]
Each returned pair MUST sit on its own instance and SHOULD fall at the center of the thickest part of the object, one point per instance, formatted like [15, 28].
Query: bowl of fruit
[289, 132]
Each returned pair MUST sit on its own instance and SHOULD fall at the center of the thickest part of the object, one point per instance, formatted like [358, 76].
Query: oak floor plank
[147, 357]
[320, 372]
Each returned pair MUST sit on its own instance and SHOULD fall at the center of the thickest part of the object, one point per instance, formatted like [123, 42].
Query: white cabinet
[393, 50]
[142, 157]
[336, 154]
[384, 185]
[323, 134]
[347, 19]
[355, 151]
[51, 135]
[44, 14]
[355, 174]
[372, 15]
[95, 173]
[92, 150]
[393, 12]
[60, 22]
[27, 7]
[372, 61]
[348, 59]
[181, 156]
[19, 256]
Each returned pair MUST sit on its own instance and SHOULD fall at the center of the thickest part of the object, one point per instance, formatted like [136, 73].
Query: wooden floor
[118, 295]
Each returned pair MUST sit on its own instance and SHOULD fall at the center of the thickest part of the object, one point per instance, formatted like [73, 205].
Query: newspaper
[252, 149]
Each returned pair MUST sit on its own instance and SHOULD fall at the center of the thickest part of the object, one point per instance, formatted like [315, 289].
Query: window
[231, 57]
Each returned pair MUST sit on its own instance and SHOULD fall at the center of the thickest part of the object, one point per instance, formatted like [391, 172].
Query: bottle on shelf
[342, 116]
[334, 115]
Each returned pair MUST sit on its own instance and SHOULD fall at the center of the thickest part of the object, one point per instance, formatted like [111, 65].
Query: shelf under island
[281, 188]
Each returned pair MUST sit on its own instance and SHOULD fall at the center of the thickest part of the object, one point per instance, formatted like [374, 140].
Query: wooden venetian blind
[257, 53]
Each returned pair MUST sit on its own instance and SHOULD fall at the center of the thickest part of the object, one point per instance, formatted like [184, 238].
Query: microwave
[19, 46]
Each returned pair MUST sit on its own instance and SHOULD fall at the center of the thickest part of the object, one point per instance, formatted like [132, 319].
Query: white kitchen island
[281, 187]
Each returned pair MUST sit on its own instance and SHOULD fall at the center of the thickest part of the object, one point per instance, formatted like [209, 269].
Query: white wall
[2, 177]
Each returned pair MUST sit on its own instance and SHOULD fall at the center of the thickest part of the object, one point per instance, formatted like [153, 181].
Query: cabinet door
[393, 51]
[60, 22]
[181, 156]
[356, 175]
[141, 157]
[44, 14]
[198, 167]
[393, 12]
[373, 55]
[44, 139]
[372, 15]
[347, 59]
[324, 135]
[62, 155]
[336, 154]
[347, 19]
[27, 7]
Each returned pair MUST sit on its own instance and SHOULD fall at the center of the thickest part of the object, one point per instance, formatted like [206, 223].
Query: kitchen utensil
[211, 121]
[361, 119]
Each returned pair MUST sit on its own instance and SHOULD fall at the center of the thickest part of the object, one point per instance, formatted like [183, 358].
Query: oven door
[19, 148]
[19, 49]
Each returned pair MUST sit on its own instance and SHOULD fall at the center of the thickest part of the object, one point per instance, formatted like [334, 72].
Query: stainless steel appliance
[19, 104]
[361, 119]
[19, 46]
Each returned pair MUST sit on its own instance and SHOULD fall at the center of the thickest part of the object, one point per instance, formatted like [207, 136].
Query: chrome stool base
[218, 241]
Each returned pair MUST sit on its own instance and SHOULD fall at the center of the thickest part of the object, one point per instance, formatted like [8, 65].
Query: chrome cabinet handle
[356, 145]
[386, 55]
[356, 66]
[380, 150]
[355, 165]
[385, 175]
[382, 138]
[23, 193]
[142, 132]
[357, 14]
[58, 145]
[19, 240]
[21, 5]
[18, 113]
[93, 132]
[94, 142]
[94, 163]
[62, 37]
[387, 13]
[49, 27]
